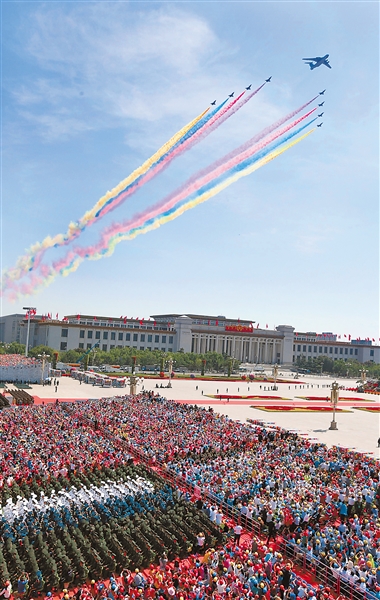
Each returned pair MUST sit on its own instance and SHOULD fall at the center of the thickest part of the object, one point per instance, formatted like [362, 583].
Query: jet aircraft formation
[319, 61]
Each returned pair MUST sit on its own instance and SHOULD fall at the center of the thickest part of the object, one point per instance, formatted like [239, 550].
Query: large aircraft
[318, 61]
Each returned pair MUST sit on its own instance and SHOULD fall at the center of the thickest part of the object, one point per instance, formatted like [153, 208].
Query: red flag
[266, 325]
[373, 339]
[258, 325]
[216, 322]
[142, 321]
[137, 319]
[208, 322]
[78, 317]
[349, 337]
[125, 320]
[345, 335]
[154, 323]
[56, 316]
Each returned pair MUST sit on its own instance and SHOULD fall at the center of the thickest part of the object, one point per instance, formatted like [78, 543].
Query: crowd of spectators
[16, 367]
[323, 501]
[45, 441]
[318, 503]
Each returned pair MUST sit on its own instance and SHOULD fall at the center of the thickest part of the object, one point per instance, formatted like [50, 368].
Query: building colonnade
[245, 349]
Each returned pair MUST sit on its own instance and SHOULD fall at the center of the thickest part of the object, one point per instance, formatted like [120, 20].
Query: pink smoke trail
[171, 200]
[256, 138]
[198, 136]
[191, 186]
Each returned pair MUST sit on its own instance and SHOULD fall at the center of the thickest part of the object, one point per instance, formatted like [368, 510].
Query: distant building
[311, 345]
[174, 332]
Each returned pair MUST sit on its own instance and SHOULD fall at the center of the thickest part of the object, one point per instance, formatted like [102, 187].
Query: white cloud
[56, 126]
[106, 63]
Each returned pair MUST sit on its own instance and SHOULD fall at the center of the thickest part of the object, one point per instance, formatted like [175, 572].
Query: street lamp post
[133, 380]
[31, 310]
[334, 401]
[44, 356]
[133, 383]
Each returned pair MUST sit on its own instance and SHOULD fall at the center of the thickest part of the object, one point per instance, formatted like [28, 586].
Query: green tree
[70, 356]
[34, 352]
[15, 348]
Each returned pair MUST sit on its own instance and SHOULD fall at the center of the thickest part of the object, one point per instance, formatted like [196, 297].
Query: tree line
[186, 361]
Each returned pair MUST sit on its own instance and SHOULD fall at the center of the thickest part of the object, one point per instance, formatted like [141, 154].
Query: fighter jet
[318, 61]
[269, 78]
[249, 87]
[231, 95]
[213, 103]
[320, 124]
[321, 114]
[322, 93]
[322, 103]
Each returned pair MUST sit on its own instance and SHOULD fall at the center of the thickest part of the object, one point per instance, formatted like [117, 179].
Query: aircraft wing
[316, 59]
[326, 62]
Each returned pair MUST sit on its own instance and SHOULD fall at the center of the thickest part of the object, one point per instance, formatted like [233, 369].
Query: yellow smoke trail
[163, 219]
[25, 262]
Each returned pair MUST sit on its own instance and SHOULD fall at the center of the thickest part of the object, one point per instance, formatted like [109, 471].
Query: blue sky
[92, 89]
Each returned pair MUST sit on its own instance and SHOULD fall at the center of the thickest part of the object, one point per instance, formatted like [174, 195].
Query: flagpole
[29, 309]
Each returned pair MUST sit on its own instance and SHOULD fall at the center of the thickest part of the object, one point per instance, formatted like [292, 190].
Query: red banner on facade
[239, 328]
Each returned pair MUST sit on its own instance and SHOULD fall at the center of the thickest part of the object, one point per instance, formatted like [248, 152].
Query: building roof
[203, 317]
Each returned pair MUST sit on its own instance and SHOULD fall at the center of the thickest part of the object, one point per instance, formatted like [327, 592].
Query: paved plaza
[357, 429]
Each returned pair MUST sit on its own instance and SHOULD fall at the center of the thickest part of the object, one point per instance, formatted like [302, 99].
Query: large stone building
[237, 338]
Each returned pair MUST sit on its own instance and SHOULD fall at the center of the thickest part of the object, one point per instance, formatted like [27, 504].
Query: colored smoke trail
[122, 232]
[163, 214]
[211, 126]
[34, 255]
[256, 138]
[114, 238]
[185, 139]
[220, 167]
[202, 132]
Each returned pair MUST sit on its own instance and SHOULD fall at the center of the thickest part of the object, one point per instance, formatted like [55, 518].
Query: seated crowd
[317, 502]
